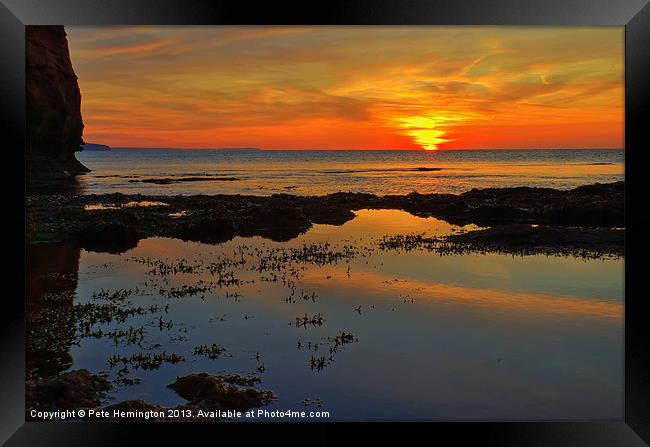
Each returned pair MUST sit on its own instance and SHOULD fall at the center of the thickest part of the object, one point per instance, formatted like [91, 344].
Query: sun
[422, 129]
[427, 139]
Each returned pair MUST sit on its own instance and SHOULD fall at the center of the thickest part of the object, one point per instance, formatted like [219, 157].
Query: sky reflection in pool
[473, 336]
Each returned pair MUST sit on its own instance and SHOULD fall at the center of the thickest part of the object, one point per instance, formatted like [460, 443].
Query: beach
[350, 303]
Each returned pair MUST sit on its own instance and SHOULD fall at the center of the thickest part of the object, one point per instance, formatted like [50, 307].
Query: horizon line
[359, 150]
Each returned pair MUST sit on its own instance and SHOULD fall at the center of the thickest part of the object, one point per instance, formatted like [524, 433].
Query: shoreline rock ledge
[54, 123]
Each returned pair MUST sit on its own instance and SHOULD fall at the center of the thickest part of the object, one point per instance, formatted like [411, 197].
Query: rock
[67, 391]
[205, 227]
[597, 205]
[600, 189]
[108, 237]
[213, 392]
[328, 214]
[277, 222]
[517, 193]
[54, 124]
[495, 214]
[442, 205]
[545, 239]
[218, 218]
[349, 198]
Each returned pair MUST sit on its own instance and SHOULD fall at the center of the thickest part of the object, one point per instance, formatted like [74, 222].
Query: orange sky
[413, 87]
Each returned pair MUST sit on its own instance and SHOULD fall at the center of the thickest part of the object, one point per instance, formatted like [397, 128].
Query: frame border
[633, 14]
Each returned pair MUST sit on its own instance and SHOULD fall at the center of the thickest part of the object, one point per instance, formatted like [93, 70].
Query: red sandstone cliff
[54, 124]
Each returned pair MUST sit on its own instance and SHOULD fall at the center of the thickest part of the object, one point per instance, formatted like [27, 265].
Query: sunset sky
[351, 87]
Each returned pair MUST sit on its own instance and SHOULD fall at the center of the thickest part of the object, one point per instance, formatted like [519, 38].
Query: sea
[317, 172]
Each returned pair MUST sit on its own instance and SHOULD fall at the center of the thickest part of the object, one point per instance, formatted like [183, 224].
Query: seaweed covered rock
[205, 227]
[108, 237]
[67, 391]
[218, 218]
[328, 214]
[214, 392]
[277, 221]
[521, 238]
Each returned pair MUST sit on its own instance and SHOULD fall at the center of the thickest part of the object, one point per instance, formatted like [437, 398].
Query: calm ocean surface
[323, 172]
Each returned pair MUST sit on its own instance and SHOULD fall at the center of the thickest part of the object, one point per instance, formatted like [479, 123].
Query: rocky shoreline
[517, 217]
[81, 389]
[587, 221]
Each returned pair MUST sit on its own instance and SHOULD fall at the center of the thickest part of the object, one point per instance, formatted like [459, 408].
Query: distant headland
[95, 147]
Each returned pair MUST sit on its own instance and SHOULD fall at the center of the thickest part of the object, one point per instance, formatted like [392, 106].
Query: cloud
[210, 83]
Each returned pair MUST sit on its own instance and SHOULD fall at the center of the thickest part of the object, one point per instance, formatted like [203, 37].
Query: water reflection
[72, 185]
[52, 278]
[111, 206]
[331, 318]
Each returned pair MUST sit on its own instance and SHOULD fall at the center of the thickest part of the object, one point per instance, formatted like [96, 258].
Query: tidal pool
[332, 321]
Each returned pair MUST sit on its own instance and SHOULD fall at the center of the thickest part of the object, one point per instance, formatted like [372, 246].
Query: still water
[461, 337]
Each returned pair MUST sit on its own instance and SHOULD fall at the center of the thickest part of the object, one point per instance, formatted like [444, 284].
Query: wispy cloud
[347, 87]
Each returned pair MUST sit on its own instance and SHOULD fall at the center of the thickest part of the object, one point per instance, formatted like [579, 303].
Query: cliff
[54, 124]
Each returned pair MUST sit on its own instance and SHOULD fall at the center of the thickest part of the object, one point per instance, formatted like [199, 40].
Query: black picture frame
[633, 430]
